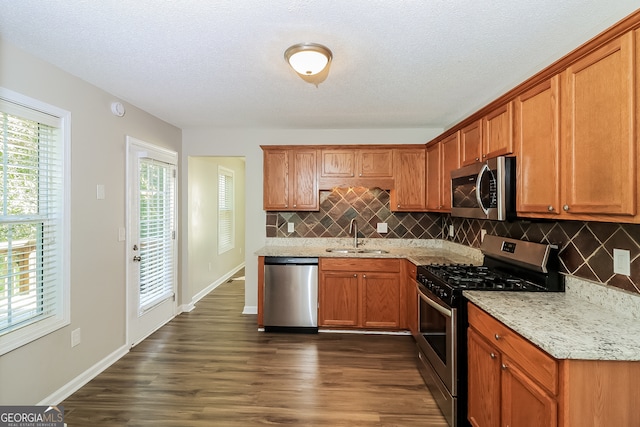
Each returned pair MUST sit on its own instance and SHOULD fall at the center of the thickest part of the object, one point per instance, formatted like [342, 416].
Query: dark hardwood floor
[212, 367]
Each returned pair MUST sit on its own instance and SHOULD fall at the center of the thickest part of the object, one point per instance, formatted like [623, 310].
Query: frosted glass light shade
[308, 59]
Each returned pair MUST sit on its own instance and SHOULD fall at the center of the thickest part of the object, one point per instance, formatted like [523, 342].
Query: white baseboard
[74, 385]
[224, 279]
[250, 309]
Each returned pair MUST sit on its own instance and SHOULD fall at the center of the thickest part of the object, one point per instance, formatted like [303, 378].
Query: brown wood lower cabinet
[514, 383]
[361, 293]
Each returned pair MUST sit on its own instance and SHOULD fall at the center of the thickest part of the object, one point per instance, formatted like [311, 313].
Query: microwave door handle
[431, 303]
[483, 170]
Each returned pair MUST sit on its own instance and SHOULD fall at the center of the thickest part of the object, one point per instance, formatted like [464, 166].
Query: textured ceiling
[397, 63]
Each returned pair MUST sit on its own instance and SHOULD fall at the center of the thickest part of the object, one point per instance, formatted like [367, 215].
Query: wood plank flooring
[212, 367]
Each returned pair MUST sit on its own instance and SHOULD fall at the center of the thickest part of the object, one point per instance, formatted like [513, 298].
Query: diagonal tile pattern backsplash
[586, 248]
[367, 206]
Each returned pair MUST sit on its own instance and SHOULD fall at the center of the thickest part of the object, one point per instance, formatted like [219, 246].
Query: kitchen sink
[356, 251]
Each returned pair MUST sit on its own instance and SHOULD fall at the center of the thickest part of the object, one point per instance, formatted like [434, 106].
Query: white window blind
[225, 210]
[33, 280]
[157, 228]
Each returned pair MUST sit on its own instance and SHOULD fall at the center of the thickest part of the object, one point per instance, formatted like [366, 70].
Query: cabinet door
[276, 180]
[434, 176]
[450, 162]
[484, 382]
[471, 143]
[537, 124]
[498, 132]
[598, 119]
[381, 300]
[304, 180]
[409, 193]
[338, 298]
[376, 163]
[338, 163]
[524, 403]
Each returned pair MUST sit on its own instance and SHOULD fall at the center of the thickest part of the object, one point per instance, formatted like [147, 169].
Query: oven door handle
[434, 305]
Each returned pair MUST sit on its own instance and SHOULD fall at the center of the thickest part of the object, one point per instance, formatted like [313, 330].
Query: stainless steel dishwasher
[290, 294]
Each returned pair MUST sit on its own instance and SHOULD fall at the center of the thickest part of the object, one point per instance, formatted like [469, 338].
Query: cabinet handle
[493, 355]
[497, 336]
[550, 208]
[503, 367]
[565, 208]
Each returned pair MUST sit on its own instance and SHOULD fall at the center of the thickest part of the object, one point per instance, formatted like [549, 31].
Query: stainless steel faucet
[353, 227]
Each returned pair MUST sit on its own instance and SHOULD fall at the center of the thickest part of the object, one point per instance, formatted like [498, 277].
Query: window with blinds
[225, 210]
[34, 297]
[157, 217]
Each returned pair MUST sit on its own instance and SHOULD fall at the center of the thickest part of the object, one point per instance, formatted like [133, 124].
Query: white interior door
[152, 249]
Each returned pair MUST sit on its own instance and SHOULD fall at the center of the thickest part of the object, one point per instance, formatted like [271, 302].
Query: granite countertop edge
[563, 324]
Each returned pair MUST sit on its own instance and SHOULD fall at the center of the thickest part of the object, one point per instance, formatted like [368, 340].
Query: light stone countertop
[568, 325]
[418, 251]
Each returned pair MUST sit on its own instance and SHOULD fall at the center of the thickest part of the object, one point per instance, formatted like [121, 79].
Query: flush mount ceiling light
[308, 59]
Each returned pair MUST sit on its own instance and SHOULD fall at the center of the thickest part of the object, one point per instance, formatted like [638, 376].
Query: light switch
[621, 262]
[290, 227]
[382, 228]
[100, 192]
[451, 230]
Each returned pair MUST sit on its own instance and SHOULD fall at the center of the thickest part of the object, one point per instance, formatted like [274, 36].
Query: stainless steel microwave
[485, 190]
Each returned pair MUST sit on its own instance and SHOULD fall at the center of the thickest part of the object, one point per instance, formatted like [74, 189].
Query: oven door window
[434, 327]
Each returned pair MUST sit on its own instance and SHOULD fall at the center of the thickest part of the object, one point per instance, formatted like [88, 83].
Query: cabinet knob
[286, 206]
[477, 159]
[295, 205]
[484, 156]
[398, 205]
[565, 208]
[364, 276]
[359, 174]
[503, 367]
[550, 208]
[497, 336]
[493, 355]
[355, 275]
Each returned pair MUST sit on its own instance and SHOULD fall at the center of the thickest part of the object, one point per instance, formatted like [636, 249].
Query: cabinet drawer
[360, 264]
[538, 364]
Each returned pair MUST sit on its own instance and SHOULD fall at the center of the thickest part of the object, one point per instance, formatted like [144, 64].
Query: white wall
[246, 143]
[38, 370]
[206, 268]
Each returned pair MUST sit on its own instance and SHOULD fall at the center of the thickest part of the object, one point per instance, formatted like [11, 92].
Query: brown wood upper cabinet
[599, 130]
[442, 158]
[575, 140]
[498, 132]
[537, 147]
[489, 136]
[356, 167]
[362, 163]
[290, 179]
[409, 192]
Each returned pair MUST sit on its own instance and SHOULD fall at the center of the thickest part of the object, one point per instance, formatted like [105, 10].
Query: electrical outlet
[382, 228]
[483, 233]
[291, 227]
[75, 337]
[451, 230]
[622, 262]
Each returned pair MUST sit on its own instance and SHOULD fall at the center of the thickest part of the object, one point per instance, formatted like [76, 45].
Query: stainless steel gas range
[509, 265]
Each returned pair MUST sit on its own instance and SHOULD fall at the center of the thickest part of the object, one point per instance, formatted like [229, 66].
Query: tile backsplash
[586, 248]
